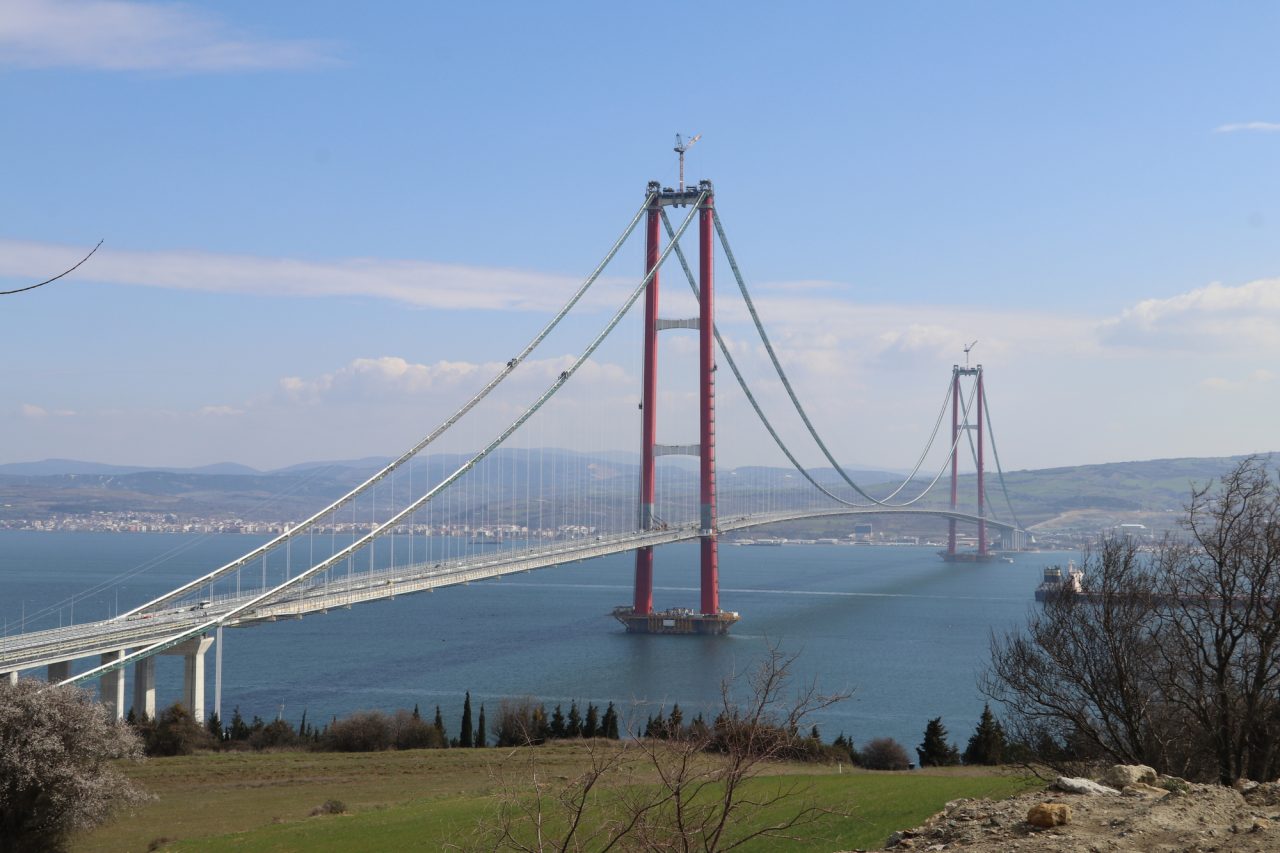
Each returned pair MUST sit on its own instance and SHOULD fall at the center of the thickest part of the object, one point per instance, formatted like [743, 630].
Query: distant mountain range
[60, 467]
[1151, 491]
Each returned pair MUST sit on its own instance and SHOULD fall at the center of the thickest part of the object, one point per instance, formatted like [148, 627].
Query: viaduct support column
[707, 408]
[955, 456]
[643, 602]
[982, 490]
[111, 686]
[193, 678]
[59, 671]
[144, 688]
[11, 677]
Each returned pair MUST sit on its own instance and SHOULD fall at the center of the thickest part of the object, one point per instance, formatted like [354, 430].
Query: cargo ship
[678, 620]
[1054, 584]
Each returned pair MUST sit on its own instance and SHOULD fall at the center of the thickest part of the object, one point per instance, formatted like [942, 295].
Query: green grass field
[434, 799]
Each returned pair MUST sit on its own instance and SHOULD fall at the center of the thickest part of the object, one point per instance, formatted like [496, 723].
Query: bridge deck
[40, 648]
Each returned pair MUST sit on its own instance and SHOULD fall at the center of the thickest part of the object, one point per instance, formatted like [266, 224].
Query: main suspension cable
[413, 451]
[358, 544]
[795, 400]
[995, 451]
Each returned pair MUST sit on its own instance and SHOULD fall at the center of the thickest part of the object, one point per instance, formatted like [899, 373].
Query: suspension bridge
[425, 522]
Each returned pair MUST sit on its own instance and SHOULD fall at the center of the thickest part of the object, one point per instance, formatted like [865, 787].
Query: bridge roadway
[176, 624]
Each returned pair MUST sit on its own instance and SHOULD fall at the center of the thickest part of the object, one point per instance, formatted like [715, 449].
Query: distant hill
[1151, 491]
[57, 467]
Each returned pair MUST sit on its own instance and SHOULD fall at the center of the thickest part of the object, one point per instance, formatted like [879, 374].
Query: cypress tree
[574, 729]
[987, 745]
[416, 715]
[556, 729]
[591, 725]
[302, 724]
[675, 722]
[239, 731]
[215, 725]
[482, 737]
[813, 735]
[464, 737]
[935, 751]
[439, 724]
[611, 722]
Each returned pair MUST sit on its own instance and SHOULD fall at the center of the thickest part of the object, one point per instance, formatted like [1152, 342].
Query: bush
[55, 775]
[174, 732]
[363, 731]
[275, 735]
[410, 732]
[885, 753]
[330, 807]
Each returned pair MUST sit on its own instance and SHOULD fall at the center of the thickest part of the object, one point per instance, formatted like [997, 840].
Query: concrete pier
[193, 678]
[11, 677]
[144, 688]
[111, 686]
[59, 671]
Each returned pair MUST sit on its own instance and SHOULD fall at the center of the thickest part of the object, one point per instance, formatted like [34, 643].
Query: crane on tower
[681, 147]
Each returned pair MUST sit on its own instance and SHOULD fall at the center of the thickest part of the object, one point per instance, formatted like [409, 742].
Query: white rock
[1073, 785]
[1121, 775]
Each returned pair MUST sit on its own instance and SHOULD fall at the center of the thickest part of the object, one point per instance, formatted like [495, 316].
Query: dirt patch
[1144, 819]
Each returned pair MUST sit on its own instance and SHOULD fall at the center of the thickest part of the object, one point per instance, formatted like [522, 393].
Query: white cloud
[393, 376]
[220, 411]
[421, 283]
[1256, 126]
[119, 35]
[1261, 376]
[34, 412]
[1247, 315]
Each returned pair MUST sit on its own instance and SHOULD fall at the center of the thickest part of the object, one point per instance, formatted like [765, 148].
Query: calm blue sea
[907, 633]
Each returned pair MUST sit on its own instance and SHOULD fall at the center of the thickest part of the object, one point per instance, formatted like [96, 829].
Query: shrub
[884, 753]
[55, 775]
[410, 732]
[174, 732]
[363, 731]
[330, 807]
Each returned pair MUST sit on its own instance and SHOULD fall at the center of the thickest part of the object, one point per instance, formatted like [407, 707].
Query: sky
[324, 228]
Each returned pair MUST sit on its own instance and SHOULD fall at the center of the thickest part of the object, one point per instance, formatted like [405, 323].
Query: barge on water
[679, 620]
[969, 557]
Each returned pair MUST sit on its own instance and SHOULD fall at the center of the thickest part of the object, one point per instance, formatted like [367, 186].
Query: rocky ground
[1134, 811]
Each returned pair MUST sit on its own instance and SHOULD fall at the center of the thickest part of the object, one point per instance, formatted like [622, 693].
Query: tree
[611, 722]
[1172, 662]
[845, 748]
[884, 753]
[482, 737]
[238, 729]
[214, 725]
[174, 732]
[557, 727]
[591, 725]
[701, 800]
[439, 725]
[573, 729]
[56, 775]
[935, 751]
[464, 736]
[1084, 670]
[987, 744]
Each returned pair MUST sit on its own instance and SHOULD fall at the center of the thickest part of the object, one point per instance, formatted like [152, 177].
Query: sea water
[905, 632]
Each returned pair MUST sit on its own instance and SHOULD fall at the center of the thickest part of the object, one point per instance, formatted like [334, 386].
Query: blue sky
[374, 205]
